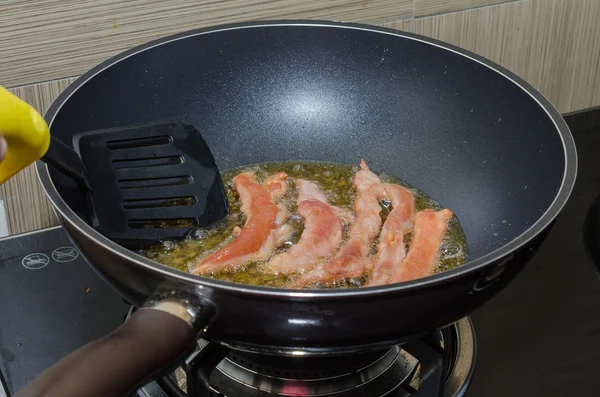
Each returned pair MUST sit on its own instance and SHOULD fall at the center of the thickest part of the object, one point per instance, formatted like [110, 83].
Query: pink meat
[322, 232]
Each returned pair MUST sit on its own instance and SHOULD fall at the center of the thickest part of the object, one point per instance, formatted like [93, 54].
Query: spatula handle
[67, 161]
[25, 131]
[28, 138]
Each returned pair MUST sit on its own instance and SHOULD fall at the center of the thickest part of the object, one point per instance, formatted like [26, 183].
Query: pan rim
[544, 221]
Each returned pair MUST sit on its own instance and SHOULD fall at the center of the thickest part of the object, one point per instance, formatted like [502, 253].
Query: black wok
[462, 129]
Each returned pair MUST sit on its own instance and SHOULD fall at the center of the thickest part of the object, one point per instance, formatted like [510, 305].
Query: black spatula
[145, 183]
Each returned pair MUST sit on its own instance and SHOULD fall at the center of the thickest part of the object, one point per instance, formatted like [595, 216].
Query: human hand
[3, 147]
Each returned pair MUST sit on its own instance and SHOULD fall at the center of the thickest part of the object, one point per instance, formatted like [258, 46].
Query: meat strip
[423, 257]
[263, 229]
[322, 232]
[391, 249]
[350, 260]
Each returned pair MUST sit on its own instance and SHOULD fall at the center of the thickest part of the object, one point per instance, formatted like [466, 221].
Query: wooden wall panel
[436, 7]
[553, 44]
[405, 25]
[49, 39]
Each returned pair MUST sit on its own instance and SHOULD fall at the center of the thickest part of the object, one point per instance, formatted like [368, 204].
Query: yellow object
[25, 131]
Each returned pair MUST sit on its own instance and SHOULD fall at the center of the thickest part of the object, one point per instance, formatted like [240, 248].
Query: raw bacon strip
[365, 177]
[321, 236]
[277, 185]
[422, 259]
[263, 227]
[349, 262]
[391, 250]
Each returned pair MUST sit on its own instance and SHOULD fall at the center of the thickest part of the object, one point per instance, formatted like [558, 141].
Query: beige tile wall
[47, 39]
[553, 44]
[436, 7]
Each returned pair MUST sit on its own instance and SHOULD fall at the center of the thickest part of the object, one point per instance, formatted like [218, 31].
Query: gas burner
[338, 376]
[440, 365]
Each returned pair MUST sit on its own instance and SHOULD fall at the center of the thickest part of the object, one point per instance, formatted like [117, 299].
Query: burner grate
[304, 368]
[438, 365]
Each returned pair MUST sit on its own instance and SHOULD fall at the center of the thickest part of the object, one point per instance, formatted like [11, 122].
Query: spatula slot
[162, 223]
[151, 182]
[147, 162]
[157, 203]
[139, 142]
[157, 182]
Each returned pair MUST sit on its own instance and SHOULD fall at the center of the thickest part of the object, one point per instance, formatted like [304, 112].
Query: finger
[3, 147]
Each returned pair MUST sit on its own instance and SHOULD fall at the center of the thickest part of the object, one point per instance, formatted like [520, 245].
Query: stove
[539, 337]
[440, 364]
[53, 303]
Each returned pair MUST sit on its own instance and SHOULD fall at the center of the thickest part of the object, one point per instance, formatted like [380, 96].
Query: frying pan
[464, 130]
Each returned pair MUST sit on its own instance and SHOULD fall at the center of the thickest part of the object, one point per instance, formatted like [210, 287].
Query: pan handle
[154, 340]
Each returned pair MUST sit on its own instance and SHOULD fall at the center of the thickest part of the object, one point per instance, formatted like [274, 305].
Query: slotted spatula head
[151, 182]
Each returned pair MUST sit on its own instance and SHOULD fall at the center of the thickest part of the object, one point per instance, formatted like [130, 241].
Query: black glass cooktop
[539, 337]
[51, 303]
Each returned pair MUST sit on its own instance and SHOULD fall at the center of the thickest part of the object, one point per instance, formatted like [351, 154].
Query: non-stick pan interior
[452, 127]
